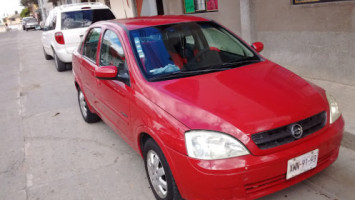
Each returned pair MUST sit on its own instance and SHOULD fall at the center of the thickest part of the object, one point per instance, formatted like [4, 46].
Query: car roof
[142, 22]
[81, 6]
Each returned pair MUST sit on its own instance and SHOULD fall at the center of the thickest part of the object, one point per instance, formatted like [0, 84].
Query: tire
[69, 66]
[160, 178]
[46, 56]
[88, 116]
[59, 65]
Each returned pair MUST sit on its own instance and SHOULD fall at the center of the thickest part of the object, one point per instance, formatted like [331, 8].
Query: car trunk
[72, 38]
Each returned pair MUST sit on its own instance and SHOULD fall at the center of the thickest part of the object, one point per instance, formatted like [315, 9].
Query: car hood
[240, 101]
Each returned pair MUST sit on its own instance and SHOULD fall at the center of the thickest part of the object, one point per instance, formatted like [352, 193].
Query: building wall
[314, 40]
[123, 8]
[227, 15]
[47, 7]
[13, 20]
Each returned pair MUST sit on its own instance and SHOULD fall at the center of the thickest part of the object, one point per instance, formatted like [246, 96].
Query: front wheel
[158, 171]
[88, 116]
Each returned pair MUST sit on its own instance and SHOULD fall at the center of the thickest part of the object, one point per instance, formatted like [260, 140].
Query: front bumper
[250, 176]
[32, 26]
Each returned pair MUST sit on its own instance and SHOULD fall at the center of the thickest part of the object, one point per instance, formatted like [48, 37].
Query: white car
[65, 27]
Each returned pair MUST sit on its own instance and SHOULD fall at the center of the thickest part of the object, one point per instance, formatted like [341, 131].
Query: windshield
[84, 18]
[30, 20]
[187, 49]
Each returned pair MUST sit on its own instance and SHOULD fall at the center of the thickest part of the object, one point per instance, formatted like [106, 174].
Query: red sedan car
[211, 117]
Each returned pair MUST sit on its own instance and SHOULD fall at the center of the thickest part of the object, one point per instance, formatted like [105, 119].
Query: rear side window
[84, 18]
[91, 43]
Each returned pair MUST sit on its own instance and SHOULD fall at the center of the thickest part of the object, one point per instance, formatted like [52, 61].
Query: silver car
[29, 23]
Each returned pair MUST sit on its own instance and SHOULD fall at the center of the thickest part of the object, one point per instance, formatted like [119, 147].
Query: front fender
[160, 125]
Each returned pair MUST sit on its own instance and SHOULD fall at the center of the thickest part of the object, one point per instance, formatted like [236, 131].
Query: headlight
[210, 145]
[333, 109]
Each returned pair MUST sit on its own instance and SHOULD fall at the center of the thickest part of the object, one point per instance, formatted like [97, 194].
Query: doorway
[149, 7]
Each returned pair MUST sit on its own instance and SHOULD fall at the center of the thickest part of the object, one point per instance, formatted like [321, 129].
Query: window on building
[200, 5]
[296, 2]
[192, 6]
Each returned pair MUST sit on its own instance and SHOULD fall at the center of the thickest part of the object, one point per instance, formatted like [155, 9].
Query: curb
[348, 140]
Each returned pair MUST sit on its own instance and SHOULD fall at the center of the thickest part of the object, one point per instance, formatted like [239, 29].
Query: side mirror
[258, 46]
[106, 73]
[123, 76]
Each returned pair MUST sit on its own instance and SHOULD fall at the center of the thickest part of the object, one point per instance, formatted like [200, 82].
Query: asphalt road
[48, 152]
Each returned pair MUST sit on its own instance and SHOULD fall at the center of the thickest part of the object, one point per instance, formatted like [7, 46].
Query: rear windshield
[84, 18]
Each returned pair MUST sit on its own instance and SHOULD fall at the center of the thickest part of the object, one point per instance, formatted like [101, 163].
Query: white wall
[149, 8]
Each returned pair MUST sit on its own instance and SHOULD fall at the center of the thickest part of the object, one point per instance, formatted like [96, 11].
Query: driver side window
[111, 53]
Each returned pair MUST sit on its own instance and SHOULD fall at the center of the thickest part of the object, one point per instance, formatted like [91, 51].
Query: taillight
[59, 38]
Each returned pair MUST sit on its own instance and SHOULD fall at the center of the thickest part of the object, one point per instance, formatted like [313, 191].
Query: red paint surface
[240, 102]
[106, 72]
[258, 46]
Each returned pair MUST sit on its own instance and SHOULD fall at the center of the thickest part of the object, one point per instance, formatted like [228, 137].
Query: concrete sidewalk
[345, 96]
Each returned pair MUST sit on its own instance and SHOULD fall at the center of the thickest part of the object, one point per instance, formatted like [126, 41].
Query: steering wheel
[199, 54]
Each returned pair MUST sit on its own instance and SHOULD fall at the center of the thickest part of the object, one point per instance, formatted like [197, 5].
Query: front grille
[283, 135]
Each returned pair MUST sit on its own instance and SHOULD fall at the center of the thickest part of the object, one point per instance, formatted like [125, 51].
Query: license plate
[303, 163]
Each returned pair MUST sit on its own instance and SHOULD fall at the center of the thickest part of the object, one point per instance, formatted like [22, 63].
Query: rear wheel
[158, 171]
[60, 66]
[88, 116]
[46, 56]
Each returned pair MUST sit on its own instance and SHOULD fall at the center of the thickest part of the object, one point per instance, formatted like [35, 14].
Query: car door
[49, 31]
[88, 65]
[114, 96]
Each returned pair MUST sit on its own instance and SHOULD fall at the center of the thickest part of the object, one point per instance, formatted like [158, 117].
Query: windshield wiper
[181, 74]
[235, 64]
[209, 69]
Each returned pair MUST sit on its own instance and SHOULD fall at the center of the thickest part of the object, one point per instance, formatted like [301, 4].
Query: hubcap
[157, 174]
[82, 103]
